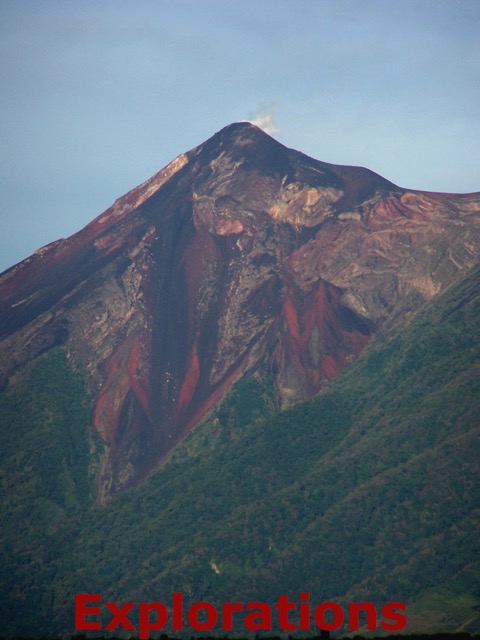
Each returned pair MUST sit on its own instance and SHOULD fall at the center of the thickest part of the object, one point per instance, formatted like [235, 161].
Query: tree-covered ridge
[367, 492]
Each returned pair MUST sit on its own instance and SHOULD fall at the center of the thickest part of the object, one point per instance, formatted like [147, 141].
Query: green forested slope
[370, 491]
[44, 480]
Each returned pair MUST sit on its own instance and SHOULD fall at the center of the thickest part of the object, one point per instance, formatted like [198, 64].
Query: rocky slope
[240, 255]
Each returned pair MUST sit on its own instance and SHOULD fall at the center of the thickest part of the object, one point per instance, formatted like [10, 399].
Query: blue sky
[97, 95]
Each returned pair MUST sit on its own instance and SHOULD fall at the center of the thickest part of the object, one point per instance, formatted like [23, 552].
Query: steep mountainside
[367, 492]
[240, 256]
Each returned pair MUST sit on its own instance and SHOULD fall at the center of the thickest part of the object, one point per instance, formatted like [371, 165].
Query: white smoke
[265, 119]
[266, 122]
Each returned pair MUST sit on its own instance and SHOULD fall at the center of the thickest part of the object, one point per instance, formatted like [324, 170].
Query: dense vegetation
[44, 479]
[367, 492]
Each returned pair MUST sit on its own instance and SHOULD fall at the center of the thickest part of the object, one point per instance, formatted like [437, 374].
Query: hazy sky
[97, 95]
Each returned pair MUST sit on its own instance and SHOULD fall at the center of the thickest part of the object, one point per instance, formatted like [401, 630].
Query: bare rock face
[240, 255]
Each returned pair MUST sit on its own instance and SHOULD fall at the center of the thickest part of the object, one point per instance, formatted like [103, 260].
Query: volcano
[240, 256]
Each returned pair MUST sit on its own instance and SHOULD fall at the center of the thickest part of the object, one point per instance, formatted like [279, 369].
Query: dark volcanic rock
[239, 255]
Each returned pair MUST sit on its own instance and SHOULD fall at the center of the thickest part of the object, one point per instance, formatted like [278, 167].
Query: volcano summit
[240, 256]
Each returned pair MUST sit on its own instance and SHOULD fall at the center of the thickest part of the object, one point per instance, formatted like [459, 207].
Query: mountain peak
[243, 128]
[240, 256]
[244, 142]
